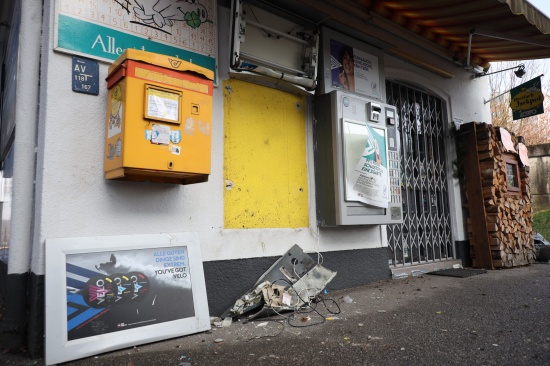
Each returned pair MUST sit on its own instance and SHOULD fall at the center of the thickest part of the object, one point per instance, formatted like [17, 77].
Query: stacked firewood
[507, 214]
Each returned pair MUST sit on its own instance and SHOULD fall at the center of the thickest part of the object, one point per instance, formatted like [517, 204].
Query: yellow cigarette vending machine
[159, 119]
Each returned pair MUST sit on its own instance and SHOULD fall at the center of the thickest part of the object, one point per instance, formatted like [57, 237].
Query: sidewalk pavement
[501, 317]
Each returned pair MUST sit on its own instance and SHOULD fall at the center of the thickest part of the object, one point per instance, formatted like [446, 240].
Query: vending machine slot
[374, 111]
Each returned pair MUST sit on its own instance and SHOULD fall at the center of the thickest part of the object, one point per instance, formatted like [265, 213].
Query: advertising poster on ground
[113, 291]
[109, 292]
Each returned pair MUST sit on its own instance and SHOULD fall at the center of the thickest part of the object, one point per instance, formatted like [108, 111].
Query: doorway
[425, 236]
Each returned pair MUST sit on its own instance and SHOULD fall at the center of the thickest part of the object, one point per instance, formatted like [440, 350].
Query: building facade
[260, 198]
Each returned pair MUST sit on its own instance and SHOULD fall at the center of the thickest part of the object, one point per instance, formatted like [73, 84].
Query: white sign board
[103, 29]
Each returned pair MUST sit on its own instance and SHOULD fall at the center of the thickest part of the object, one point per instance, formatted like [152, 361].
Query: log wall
[500, 215]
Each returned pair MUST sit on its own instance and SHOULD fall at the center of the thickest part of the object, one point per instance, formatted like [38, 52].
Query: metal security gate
[425, 235]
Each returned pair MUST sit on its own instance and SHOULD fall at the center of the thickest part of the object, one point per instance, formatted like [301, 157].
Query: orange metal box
[159, 119]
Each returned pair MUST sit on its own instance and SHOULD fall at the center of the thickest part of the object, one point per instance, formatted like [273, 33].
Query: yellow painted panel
[264, 157]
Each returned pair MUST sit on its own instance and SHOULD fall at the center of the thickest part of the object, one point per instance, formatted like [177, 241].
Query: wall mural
[103, 29]
[161, 13]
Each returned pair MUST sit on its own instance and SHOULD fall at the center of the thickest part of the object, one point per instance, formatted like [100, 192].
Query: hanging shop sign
[526, 100]
[104, 29]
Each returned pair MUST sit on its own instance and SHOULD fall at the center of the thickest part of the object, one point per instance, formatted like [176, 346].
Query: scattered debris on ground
[293, 284]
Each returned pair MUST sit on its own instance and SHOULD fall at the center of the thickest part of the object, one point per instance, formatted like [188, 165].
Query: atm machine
[356, 147]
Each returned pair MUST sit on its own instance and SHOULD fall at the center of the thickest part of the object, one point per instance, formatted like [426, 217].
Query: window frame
[512, 160]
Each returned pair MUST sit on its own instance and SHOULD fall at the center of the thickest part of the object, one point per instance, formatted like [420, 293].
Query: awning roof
[496, 30]
[502, 30]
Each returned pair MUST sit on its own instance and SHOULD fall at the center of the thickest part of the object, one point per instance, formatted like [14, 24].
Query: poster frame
[59, 349]
[326, 85]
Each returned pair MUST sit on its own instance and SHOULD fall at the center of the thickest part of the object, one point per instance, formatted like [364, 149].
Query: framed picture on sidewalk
[111, 292]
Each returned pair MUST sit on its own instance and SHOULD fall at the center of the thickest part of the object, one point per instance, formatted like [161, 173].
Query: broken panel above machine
[273, 47]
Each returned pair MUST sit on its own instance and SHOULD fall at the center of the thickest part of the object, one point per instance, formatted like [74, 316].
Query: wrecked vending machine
[290, 283]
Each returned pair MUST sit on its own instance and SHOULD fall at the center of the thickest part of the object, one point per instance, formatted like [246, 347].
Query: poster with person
[369, 180]
[354, 70]
[125, 289]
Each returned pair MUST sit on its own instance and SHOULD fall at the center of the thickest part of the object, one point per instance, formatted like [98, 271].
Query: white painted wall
[73, 199]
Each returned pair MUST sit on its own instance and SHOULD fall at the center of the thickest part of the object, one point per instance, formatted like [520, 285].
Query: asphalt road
[501, 317]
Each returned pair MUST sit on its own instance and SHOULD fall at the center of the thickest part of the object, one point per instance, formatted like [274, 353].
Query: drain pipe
[14, 331]
[470, 35]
